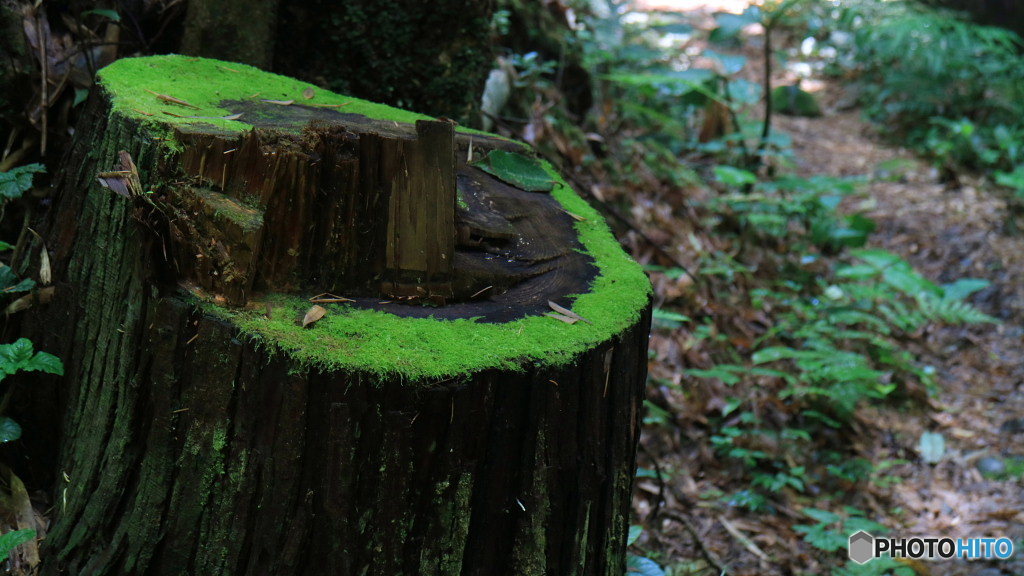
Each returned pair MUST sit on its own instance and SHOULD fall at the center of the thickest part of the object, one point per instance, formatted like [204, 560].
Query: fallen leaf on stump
[561, 318]
[566, 312]
[313, 315]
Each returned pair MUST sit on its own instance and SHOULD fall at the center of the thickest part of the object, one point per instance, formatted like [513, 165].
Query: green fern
[952, 311]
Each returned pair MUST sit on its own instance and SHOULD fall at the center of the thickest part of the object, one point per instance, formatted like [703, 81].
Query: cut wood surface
[315, 335]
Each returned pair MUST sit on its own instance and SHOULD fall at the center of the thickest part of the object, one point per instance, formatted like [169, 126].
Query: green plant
[20, 357]
[949, 86]
[841, 317]
[13, 185]
[13, 539]
[830, 533]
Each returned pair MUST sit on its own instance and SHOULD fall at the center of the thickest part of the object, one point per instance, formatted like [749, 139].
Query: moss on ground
[374, 341]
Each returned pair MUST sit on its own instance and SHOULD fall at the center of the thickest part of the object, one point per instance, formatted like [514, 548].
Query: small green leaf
[80, 95]
[774, 353]
[646, 473]
[5, 246]
[9, 430]
[932, 447]
[734, 176]
[18, 180]
[519, 170]
[12, 540]
[19, 356]
[45, 362]
[634, 534]
[668, 319]
[963, 288]
[643, 566]
[105, 12]
[823, 516]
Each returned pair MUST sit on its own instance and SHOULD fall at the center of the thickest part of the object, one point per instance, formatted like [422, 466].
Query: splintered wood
[318, 201]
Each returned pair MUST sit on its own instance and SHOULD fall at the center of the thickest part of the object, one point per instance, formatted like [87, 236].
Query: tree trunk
[433, 421]
[237, 30]
[432, 57]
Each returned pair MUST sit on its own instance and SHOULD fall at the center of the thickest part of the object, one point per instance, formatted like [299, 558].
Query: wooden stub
[421, 216]
[380, 212]
[367, 214]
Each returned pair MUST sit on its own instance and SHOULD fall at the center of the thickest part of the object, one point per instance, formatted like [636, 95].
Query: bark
[232, 30]
[432, 57]
[190, 447]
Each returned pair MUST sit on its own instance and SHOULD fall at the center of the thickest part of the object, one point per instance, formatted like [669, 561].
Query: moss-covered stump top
[440, 248]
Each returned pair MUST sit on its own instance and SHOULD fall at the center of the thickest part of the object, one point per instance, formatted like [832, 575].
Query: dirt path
[947, 231]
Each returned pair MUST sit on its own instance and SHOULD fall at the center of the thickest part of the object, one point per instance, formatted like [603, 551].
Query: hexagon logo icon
[862, 547]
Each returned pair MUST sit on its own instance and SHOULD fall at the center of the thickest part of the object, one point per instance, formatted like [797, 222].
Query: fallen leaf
[313, 315]
[173, 100]
[932, 447]
[23, 303]
[45, 276]
[331, 105]
[25, 518]
[308, 93]
[280, 102]
[46, 294]
[519, 170]
[565, 311]
[228, 117]
[561, 318]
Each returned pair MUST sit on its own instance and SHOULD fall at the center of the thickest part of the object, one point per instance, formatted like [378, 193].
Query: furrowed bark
[191, 445]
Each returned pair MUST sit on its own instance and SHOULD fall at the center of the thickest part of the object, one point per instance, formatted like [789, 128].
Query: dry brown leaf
[44, 295]
[561, 318]
[228, 117]
[45, 274]
[565, 311]
[313, 315]
[23, 303]
[280, 102]
[331, 105]
[172, 100]
[743, 539]
[308, 93]
[25, 518]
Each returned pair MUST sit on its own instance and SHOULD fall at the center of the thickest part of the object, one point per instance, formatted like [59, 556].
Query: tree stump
[308, 334]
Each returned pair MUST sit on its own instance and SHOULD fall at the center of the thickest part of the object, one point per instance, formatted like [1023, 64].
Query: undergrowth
[778, 323]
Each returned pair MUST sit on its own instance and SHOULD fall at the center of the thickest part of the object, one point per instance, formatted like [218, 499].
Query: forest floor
[947, 229]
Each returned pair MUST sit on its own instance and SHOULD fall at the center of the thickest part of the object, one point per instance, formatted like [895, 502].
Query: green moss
[382, 343]
[373, 341]
[205, 83]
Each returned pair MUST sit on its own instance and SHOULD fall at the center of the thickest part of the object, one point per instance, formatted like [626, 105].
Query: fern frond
[952, 311]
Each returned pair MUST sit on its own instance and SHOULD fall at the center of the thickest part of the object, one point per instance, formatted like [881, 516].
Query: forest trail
[947, 231]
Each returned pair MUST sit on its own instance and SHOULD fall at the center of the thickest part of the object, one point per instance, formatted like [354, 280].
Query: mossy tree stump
[434, 421]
